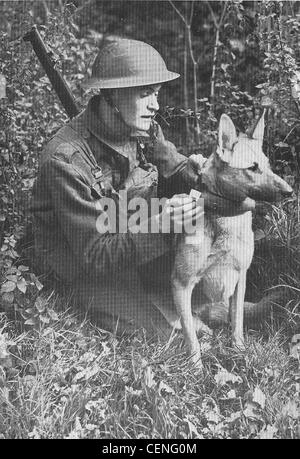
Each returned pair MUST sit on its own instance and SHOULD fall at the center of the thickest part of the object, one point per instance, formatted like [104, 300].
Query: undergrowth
[73, 380]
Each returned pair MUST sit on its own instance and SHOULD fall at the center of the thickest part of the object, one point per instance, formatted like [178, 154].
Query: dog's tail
[271, 304]
[254, 313]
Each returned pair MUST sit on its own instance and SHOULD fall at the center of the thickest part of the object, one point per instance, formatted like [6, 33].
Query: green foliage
[30, 114]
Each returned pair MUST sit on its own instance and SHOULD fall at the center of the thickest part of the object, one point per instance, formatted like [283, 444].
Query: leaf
[260, 86]
[282, 145]
[44, 319]
[3, 347]
[224, 67]
[13, 254]
[149, 377]
[8, 297]
[224, 377]
[213, 416]
[77, 432]
[268, 433]
[259, 234]
[23, 268]
[295, 346]
[252, 412]
[12, 270]
[12, 277]
[8, 286]
[87, 373]
[133, 392]
[163, 387]
[40, 304]
[259, 397]
[234, 417]
[192, 428]
[52, 314]
[266, 101]
[231, 394]
[22, 285]
[291, 409]
[30, 322]
[106, 350]
[38, 284]
[2, 86]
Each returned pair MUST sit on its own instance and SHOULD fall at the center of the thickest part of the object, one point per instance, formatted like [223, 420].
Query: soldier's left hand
[198, 162]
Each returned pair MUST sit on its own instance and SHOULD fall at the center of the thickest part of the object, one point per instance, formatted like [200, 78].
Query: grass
[70, 379]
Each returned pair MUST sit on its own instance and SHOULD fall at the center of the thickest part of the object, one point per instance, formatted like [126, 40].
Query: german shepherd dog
[224, 249]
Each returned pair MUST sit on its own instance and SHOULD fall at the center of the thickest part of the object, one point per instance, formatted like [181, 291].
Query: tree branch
[223, 14]
[179, 13]
[218, 25]
[82, 7]
[212, 14]
[188, 37]
[191, 13]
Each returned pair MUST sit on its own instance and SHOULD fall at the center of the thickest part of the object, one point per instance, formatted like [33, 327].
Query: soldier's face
[137, 106]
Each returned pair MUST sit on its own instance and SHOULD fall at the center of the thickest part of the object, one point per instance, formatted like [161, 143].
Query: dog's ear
[227, 134]
[258, 133]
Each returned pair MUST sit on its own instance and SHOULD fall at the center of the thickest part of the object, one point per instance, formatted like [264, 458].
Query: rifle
[48, 63]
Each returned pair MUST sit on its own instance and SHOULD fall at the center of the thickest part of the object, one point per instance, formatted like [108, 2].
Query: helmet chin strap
[117, 114]
[112, 105]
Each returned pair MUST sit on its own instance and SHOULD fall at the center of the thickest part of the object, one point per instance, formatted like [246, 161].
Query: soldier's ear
[227, 137]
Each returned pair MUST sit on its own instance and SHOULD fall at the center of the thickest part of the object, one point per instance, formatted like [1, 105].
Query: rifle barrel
[59, 84]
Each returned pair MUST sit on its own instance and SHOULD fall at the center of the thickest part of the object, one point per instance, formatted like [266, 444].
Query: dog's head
[242, 169]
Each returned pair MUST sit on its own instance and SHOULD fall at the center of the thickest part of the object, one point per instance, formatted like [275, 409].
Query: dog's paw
[239, 344]
[201, 328]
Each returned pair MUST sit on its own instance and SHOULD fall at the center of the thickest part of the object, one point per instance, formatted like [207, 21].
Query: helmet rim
[127, 82]
[125, 63]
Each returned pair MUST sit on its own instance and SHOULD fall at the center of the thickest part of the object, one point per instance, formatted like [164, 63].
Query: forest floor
[69, 379]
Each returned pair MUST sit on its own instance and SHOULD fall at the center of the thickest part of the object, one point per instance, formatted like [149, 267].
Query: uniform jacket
[83, 162]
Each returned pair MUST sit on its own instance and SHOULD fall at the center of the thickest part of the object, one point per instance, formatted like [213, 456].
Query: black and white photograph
[149, 222]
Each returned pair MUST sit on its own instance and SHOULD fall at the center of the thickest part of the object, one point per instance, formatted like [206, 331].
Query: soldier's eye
[254, 167]
[146, 93]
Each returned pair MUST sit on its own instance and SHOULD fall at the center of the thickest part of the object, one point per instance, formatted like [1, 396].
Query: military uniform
[83, 162]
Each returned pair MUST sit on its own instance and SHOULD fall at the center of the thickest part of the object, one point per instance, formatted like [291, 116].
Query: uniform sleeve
[76, 212]
[177, 174]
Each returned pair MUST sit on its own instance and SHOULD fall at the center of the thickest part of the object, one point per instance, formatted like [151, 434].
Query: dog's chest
[232, 236]
[226, 242]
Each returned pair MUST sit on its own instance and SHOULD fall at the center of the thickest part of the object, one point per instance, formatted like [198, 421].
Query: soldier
[115, 145]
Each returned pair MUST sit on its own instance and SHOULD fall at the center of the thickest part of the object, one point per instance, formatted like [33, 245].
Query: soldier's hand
[197, 162]
[182, 211]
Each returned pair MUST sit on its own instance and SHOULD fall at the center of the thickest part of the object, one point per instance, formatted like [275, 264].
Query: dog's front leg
[237, 311]
[182, 298]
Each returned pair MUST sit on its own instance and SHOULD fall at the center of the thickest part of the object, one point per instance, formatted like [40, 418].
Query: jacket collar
[87, 123]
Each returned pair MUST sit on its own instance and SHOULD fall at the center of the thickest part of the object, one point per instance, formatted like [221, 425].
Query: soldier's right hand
[181, 211]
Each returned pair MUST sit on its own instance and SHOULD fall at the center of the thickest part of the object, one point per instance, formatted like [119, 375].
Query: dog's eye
[254, 167]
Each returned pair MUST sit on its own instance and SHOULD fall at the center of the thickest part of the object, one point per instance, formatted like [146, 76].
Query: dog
[224, 248]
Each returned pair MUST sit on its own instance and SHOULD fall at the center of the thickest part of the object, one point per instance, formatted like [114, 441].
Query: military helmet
[125, 63]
